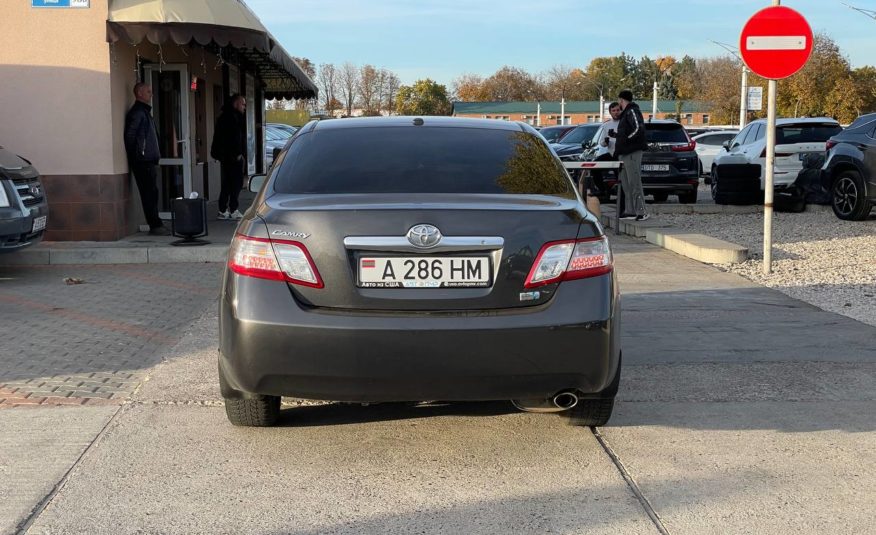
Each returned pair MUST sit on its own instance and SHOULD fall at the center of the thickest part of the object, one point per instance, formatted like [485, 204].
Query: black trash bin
[189, 221]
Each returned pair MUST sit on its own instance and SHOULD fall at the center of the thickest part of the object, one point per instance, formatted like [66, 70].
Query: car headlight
[4, 198]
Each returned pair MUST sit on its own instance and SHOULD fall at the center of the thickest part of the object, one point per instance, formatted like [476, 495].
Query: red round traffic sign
[776, 42]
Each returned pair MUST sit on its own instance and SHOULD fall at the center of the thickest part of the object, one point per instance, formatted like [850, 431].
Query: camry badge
[424, 236]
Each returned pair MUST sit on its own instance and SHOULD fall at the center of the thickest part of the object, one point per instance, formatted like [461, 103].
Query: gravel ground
[817, 258]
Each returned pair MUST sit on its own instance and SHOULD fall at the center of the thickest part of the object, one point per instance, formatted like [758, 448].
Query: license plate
[424, 272]
[660, 167]
[39, 223]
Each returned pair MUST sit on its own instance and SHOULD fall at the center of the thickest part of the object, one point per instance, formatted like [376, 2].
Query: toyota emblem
[424, 236]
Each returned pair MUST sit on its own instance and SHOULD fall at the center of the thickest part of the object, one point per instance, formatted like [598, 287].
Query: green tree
[865, 87]
[610, 73]
[424, 97]
[512, 83]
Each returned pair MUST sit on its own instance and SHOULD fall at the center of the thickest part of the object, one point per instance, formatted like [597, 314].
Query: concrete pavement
[741, 411]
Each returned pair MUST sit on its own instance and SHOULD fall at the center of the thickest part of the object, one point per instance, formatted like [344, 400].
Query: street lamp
[869, 12]
[537, 107]
[743, 101]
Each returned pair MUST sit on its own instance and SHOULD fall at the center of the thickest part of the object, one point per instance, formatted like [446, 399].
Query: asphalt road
[741, 411]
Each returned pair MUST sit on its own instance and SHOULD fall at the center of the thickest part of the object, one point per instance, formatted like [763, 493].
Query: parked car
[849, 171]
[571, 145]
[24, 210]
[410, 259]
[669, 165]
[553, 133]
[738, 171]
[709, 144]
[275, 138]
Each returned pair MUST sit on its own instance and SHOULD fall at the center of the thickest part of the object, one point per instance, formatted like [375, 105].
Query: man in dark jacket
[229, 147]
[141, 145]
[630, 144]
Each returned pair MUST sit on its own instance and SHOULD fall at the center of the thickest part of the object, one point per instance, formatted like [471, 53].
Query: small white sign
[755, 99]
[776, 42]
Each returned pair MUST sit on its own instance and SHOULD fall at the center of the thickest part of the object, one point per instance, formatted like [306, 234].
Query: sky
[443, 39]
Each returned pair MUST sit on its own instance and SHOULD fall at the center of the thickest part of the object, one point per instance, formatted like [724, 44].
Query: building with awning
[67, 81]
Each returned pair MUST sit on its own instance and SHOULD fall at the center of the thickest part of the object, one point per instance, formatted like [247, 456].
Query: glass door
[170, 109]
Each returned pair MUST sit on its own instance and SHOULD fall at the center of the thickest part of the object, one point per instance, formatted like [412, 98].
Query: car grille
[29, 190]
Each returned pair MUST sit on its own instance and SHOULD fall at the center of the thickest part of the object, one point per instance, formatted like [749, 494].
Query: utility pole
[654, 102]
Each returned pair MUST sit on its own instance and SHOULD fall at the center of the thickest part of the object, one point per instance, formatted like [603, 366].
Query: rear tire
[258, 411]
[591, 412]
[849, 200]
[717, 196]
[688, 198]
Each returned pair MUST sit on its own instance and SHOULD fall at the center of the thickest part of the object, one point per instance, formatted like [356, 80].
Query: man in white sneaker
[229, 147]
[629, 146]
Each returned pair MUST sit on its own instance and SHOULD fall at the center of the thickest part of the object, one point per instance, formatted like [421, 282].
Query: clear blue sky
[443, 39]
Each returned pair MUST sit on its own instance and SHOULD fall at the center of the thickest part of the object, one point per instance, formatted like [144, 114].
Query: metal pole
[743, 99]
[601, 106]
[768, 182]
[563, 110]
[538, 114]
[654, 103]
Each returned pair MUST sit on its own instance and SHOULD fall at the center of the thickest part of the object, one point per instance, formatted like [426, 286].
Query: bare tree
[391, 90]
[369, 87]
[349, 80]
[328, 82]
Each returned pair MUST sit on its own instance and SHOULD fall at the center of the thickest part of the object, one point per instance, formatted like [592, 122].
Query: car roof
[800, 120]
[404, 120]
[713, 132]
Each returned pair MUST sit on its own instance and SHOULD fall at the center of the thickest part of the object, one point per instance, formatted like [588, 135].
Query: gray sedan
[413, 259]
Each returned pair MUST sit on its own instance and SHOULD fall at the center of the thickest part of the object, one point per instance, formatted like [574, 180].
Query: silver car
[413, 259]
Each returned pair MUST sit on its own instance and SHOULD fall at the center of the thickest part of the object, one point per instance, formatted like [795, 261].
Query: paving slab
[464, 468]
[37, 447]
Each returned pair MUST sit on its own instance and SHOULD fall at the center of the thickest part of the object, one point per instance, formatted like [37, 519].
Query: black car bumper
[16, 231]
[275, 346]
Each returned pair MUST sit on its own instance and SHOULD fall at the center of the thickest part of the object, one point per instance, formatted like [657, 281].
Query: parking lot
[738, 413]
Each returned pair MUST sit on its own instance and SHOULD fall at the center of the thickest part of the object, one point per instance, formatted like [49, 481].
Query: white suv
[738, 171]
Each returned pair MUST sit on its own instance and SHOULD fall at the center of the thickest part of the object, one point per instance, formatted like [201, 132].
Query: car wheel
[716, 193]
[596, 412]
[661, 197]
[849, 200]
[688, 198]
[257, 411]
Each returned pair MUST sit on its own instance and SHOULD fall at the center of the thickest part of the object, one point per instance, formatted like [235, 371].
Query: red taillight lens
[569, 260]
[830, 144]
[274, 260]
[685, 148]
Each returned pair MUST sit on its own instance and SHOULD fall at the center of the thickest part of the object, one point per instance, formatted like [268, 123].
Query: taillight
[778, 154]
[279, 260]
[685, 148]
[568, 260]
[830, 144]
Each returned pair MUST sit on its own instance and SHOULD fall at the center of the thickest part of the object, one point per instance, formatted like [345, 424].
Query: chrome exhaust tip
[565, 400]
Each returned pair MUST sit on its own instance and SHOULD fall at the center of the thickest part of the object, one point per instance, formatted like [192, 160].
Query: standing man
[141, 145]
[229, 147]
[629, 146]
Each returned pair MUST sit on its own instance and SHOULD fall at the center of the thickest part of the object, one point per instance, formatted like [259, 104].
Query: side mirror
[586, 145]
[726, 145]
[276, 152]
[256, 182]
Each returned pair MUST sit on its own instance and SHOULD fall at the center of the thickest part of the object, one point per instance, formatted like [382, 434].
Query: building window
[503, 117]
[530, 120]
[487, 117]
[687, 118]
[705, 118]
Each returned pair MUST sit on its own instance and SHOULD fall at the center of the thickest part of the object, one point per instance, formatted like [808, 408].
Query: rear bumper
[277, 347]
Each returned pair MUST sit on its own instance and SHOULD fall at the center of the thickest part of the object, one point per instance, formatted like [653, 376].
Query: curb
[115, 255]
[699, 247]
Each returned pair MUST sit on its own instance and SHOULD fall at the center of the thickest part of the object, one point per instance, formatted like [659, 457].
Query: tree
[424, 97]
[369, 88]
[470, 88]
[609, 73]
[328, 83]
[865, 86]
[720, 80]
[561, 81]
[392, 83]
[306, 65]
[807, 92]
[348, 79]
[512, 83]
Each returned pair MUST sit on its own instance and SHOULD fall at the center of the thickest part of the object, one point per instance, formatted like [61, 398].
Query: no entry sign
[776, 42]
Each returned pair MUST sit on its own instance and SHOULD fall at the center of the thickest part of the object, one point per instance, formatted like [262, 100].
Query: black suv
[23, 207]
[669, 166]
[849, 171]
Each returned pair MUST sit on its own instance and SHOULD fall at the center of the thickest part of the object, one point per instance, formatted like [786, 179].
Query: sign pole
[743, 98]
[770, 175]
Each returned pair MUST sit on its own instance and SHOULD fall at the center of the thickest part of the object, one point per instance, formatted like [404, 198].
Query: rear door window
[665, 133]
[396, 159]
[806, 133]
[715, 139]
[758, 135]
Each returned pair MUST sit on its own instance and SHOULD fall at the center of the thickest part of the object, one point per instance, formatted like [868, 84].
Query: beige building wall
[55, 67]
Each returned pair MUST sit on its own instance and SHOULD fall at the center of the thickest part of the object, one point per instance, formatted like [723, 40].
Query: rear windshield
[665, 133]
[806, 133]
[579, 135]
[421, 160]
[552, 134]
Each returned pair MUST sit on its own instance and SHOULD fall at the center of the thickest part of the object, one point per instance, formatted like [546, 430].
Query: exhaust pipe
[562, 401]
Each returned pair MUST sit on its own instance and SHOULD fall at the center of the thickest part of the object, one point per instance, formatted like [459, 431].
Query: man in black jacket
[630, 144]
[141, 145]
[229, 147]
